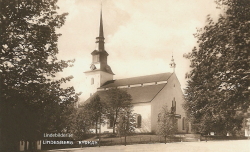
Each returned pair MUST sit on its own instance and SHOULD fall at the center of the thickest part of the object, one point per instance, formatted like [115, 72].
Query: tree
[28, 65]
[218, 84]
[55, 114]
[80, 124]
[116, 101]
[96, 110]
[126, 121]
[167, 123]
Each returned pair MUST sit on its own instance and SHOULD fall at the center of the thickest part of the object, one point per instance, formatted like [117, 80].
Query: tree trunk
[96, 127]
[99, 135]
[113, 128]
[125, 139]
[25, 145]
[114, 122]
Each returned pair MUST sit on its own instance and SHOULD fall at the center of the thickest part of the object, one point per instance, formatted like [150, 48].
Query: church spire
[101, 27]
[100, 40]
[99, 55]
[172, 63]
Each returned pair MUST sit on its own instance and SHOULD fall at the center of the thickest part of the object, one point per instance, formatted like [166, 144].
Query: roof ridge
[142, 76]
[137, 80]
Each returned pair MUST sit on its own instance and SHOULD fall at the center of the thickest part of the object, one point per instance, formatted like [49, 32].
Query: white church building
[149, 92]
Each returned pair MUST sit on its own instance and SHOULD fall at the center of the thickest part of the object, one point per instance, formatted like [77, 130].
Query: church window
[138, 121]
[111, 122]
[183, 123]
[92, 81]
[173, 108]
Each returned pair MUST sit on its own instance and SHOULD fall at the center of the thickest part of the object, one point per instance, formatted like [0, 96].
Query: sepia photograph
[125, 75]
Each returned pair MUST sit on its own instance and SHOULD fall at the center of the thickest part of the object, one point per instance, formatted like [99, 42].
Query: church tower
[100, 72]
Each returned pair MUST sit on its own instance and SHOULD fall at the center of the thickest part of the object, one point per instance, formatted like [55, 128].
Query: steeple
[99, 55]
[100, 40]
[101, 27]
[172, 63]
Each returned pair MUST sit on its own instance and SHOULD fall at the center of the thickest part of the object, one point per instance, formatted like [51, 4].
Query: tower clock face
[92, 67]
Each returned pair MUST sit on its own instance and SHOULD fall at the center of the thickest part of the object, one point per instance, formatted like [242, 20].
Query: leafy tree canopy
[31, 101]
[96, 110]
[116, 101]
[80, 124]
[126, 122]
[218, 84]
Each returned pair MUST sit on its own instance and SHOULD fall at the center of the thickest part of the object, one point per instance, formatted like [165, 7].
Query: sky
[140, 35]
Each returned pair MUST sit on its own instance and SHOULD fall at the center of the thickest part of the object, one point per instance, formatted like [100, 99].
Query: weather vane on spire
[172, 63]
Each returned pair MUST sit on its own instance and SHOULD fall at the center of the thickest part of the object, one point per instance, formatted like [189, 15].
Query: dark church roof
[139, 94]
[137, 80]
[145, 93]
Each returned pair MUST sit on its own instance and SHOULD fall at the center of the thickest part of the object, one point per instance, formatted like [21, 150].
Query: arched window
[173, 103]
[173, 108]
[92, 81]
[111, 122]
[173, 111]
[138, 121]
[183, 123]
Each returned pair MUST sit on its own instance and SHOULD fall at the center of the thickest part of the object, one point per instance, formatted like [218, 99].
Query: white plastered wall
[144, 109]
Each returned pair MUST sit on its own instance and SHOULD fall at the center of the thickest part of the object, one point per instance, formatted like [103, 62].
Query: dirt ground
[210, 146]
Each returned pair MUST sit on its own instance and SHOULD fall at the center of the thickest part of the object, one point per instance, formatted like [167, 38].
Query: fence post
[99, 140]
[125, 140]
